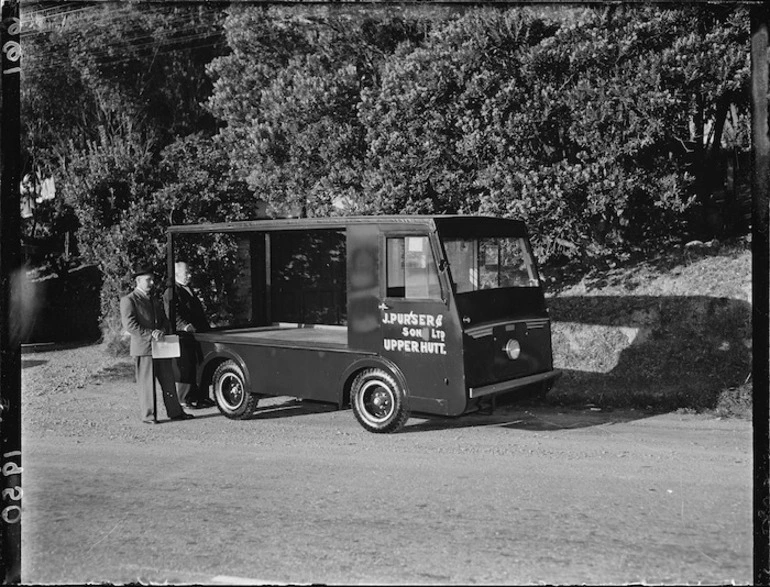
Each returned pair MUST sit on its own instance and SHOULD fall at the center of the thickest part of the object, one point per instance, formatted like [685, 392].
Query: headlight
[512, 348]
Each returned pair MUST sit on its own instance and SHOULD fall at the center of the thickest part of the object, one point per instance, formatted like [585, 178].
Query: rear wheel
[233, 398]
[378, 401]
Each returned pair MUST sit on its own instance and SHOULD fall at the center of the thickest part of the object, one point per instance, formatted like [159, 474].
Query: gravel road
[301, 493]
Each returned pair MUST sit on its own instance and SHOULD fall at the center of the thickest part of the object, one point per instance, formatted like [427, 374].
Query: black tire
[233, 398]
[378, 401]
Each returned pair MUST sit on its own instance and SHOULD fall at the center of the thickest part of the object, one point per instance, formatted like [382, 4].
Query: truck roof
[460, 224]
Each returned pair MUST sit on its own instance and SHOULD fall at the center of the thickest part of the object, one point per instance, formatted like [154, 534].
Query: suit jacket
[189, 309]
[141, 315]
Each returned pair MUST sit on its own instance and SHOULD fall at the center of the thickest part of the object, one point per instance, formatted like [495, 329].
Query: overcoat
[141, 315]
[188, 310]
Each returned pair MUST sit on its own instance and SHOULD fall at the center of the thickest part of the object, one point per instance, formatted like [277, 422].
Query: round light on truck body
[512, 349]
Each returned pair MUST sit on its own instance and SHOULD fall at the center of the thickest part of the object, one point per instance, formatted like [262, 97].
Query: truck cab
[392, 315]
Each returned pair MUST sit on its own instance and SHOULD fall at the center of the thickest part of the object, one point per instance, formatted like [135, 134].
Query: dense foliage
[112, 107]
[289, 93]
[603, 129]
[606, 129]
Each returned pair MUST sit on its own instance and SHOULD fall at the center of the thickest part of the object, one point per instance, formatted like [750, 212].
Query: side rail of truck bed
[282, 334]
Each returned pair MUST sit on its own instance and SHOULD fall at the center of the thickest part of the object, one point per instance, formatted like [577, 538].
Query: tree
[113, 66]
[578, 126]
[108, 184]
[199, 186]
[105, 89]
[193, 183]
[622, 89]
[289, 94]
[434, 123]
[107, 76]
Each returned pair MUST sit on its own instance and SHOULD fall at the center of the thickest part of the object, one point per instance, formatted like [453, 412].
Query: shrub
[736, 402]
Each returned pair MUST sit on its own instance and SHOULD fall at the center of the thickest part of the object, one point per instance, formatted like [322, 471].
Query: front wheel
[232, 396]
[378, 401]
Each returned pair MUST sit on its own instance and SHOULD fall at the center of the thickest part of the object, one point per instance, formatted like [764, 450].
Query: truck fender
[378, 362]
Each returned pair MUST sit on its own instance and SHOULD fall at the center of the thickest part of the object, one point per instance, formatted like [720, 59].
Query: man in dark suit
[190, 317]
[144, 319]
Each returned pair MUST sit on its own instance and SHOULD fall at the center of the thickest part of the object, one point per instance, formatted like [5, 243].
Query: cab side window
[411, 269]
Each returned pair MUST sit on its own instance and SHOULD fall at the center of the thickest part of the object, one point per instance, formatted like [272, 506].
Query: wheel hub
[232, 391]
[380, 403]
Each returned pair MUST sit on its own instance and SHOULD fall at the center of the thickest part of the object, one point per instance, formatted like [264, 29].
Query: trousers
[164, 378]
[185, 368]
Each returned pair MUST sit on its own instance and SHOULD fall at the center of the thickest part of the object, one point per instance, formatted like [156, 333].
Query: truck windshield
[490, 263]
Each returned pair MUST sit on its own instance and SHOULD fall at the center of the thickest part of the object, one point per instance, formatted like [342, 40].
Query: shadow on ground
[45, 347]
[533, 415]
[115, 372]
[26, 363]
[527, 414]
[289, 408]
[666, 352]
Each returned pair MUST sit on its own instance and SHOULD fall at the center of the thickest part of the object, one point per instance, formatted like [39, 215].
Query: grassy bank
[669, 332]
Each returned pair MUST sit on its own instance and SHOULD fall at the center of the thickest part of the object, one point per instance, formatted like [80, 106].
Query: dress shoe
[149, 421]
[205, 403]
[183, 416]
[188, 405]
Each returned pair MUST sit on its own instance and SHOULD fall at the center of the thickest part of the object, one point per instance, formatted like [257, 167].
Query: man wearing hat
[145, 320]
[190, 317]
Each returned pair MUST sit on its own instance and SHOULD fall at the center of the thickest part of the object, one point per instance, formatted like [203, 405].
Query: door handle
[383, 306]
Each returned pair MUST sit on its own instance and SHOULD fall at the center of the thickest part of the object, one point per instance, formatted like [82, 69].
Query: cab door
[417, 324]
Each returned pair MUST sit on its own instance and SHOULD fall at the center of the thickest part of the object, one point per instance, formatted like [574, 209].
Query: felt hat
[142, 270]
